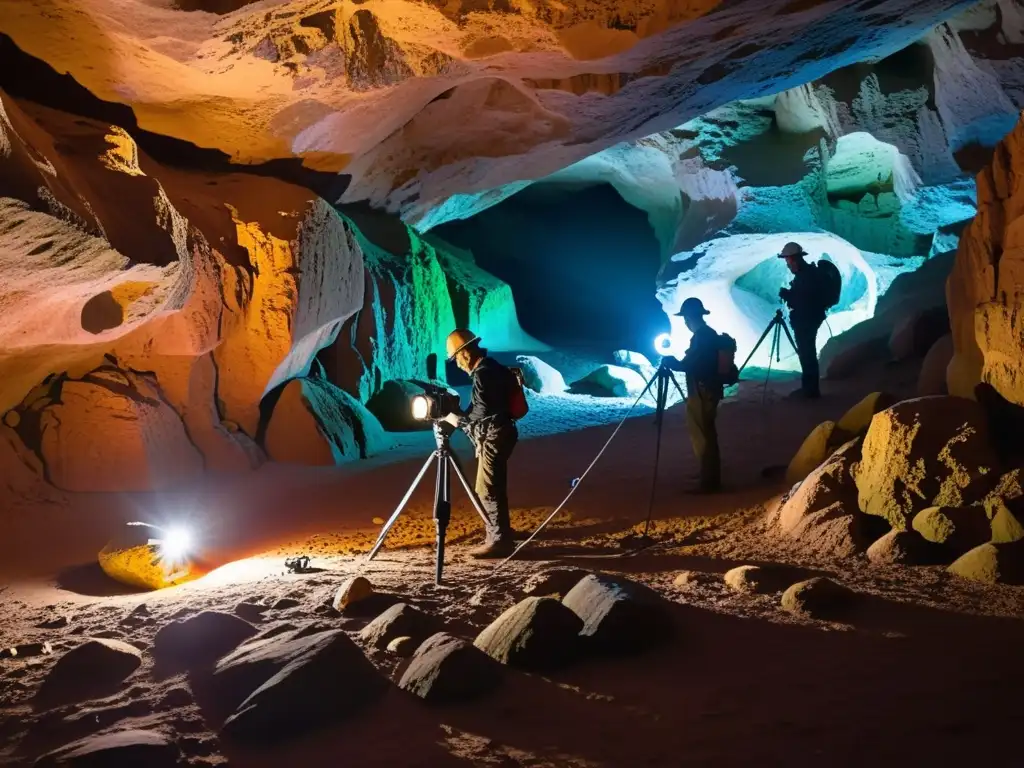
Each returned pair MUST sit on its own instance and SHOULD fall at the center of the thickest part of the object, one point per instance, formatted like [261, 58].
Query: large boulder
[905, 548]
[931, 380]
[95, 668]
[610, 381]
[821, 514]
[536, 633]
[316, 423]
[400, 620]
[130, 559]
[199, 640]
[810, 454]
[926, 452]
[446, 669]
[619, 616]
[122, 748]
[992, 564]
[282, 685]
[114, 431]
[857, 419]
[541, 377]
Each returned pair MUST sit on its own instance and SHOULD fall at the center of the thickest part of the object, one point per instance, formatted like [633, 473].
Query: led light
[420, 407]
[663, 344]
[175, 544]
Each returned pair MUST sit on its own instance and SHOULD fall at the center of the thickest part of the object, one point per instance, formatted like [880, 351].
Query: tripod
[446, 461]
[662, 377]
[776, 326]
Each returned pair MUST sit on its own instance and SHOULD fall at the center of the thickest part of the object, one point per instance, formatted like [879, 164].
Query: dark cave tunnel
[581, 264]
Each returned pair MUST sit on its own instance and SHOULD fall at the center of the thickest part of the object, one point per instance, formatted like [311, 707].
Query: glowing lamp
[175, 545]
[663, 344]
[420, 407]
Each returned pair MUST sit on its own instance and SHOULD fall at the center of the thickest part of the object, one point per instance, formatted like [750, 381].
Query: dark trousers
[805, 334]
[494, 448]
[701, 411]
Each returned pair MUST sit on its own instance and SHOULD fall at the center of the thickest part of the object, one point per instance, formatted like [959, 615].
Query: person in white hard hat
[489, 424]
[806, 314]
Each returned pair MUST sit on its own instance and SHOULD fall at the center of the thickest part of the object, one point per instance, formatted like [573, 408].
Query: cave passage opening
[582, 264]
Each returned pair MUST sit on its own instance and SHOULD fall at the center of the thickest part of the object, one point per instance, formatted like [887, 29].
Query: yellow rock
[352, 591]
[140, 565]
[857, 420]
[815, 449]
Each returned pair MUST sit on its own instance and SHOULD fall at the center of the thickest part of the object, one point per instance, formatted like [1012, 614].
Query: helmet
[692, 307]
[789, 250]
[458, 340]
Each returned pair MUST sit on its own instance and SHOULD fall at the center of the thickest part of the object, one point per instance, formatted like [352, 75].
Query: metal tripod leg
[665, 376]
[764, 336]
[442, 512]
[469, 491]
[401, 505]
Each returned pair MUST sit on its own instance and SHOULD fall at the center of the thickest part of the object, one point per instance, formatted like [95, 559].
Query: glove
[452, 419]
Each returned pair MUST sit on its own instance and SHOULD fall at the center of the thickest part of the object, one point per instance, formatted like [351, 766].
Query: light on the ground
[420, 407]
[663, 344]
[175, 544]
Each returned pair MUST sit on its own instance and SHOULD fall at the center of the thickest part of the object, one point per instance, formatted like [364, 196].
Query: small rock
[537, 633]
[57, 623]
[251, 612]
[127, 748]
[402, 646]
[351, 592]
[378, 521]
[618, 615]
[200, 640]
[755, 579]
[817, 598]
[992, 564]
[300, 688]
[905, 548]
[691, 579]
[555, 582]
[285, 603]
[400, 620]
[811, 453]
[92, 669]
[446, 669]
[26, 650]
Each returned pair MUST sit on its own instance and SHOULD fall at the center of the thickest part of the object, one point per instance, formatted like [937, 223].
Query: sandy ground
[924, 673]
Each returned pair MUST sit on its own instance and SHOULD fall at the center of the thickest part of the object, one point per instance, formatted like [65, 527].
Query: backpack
[517, 405]
[728, 373]
[830, 283]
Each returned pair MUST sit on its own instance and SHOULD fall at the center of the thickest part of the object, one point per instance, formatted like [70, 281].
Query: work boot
[491, 550]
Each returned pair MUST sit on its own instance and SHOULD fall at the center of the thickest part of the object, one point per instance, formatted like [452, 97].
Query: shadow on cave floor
[89, 579]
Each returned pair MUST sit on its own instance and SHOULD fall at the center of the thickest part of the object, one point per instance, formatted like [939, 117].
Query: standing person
[703, 392]
[807, 306]
[491, 427]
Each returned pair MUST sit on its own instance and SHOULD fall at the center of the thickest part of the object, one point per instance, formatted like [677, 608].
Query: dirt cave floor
[925, 671]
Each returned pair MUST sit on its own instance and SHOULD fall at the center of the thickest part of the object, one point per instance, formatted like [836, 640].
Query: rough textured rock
[400, 620]
[541, 377]
[931, 451]
[199, 640]
[957, 529]
[932, 378]
[818, 598]
[619, 616]
[265, 678]
[905, 548]
[916, 333]
[95, 668]
[821, 515]
[537, 633]
[446, 669]
[992, 564]
[553, 582]
[315, 422]
[610, 381]
[354, 590]
[1004, 507]
[635, 361]
[811, 453]
[129, 559]
[756, 579]
[122, 748]
[856, 420]
[303, 694]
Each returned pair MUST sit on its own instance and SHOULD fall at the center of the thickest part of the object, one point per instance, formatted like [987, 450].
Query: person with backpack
[709, 366]
[498, 400]
[814, 290]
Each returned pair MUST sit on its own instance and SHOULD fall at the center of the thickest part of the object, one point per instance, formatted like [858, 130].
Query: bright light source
[420, 407]
[663, 344]
[175, 544]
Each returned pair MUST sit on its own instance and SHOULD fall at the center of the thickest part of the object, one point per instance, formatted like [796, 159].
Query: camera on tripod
[435, 403]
